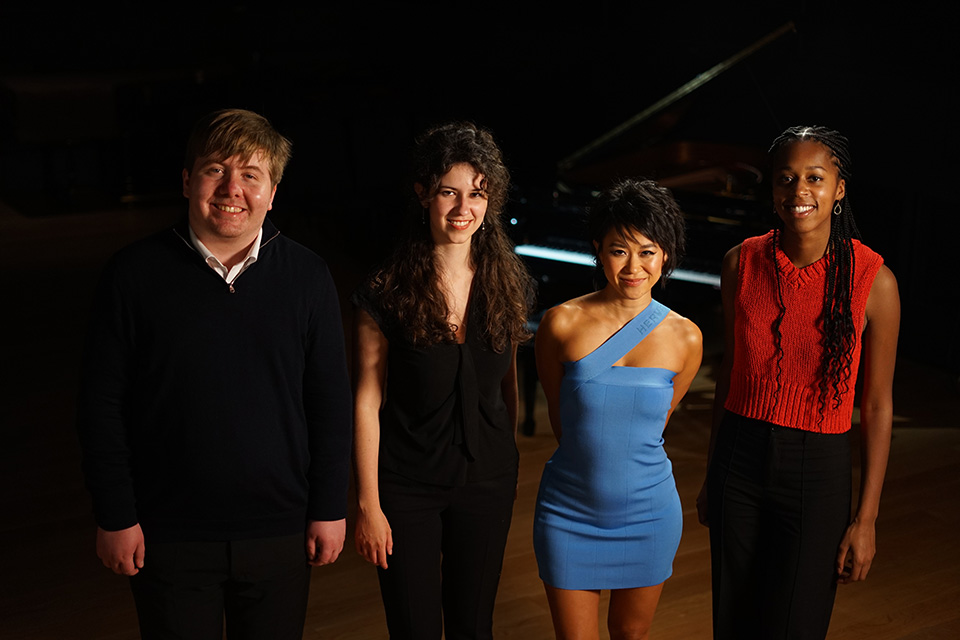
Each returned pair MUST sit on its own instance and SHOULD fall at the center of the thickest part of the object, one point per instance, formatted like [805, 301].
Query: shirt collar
[254, 251]
[214, 263]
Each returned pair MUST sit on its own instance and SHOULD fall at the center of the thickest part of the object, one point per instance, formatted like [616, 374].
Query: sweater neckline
[798, 276]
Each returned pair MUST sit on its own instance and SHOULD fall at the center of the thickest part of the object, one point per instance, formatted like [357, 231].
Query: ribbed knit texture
[753, 382]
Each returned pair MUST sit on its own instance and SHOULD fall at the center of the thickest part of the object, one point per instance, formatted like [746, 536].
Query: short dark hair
[238, 132]
[644, 206]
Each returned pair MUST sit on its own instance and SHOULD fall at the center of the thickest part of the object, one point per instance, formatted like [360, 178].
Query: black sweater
[211, 415]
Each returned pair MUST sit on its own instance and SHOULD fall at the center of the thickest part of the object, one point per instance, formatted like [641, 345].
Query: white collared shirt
[229, 275]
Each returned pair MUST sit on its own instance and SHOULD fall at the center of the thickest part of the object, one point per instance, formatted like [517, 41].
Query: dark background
[96, 104]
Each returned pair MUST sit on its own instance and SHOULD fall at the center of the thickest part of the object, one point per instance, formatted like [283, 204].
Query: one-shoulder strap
[623, 341]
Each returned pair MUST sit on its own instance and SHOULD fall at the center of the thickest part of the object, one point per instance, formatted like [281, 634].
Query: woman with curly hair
[799, 304]
[614, 365]
[436, 394]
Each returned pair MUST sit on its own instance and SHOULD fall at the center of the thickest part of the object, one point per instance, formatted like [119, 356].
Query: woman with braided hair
[799, 304]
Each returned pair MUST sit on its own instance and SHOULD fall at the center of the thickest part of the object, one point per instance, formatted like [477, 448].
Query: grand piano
[718, 184]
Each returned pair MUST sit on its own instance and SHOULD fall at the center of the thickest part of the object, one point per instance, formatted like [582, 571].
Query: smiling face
[806, 186]
[229, 199]
[458, 206]
[632, 263]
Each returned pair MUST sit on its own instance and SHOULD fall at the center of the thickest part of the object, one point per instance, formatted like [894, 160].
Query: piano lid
[683, 142]
[652, 143]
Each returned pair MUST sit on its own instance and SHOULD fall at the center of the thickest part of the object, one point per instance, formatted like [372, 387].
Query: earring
[837, 209]
[423, 216]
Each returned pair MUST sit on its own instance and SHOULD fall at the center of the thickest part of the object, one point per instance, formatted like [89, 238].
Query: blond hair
[238, 132]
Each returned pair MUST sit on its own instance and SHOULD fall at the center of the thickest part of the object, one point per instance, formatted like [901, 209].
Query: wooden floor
[53, 587]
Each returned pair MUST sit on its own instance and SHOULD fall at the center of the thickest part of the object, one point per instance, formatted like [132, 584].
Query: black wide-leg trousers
[448, 547]
[779, 504]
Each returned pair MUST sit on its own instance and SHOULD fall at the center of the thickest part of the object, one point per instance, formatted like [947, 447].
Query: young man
[215, 410]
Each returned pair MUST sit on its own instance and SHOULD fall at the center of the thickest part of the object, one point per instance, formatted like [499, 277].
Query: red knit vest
[753, 384]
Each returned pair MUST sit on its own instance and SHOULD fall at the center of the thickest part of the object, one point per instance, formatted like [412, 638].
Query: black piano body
[718, 181]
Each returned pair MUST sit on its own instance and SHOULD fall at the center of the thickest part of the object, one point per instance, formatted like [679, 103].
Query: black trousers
[447, 556]
[779, 504]
[185, 589]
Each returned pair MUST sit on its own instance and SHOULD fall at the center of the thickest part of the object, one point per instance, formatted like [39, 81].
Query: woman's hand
[373, 536]
[856, 552]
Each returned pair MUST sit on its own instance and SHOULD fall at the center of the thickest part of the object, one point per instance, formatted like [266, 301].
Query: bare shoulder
[567, 316]
[676, 344]
[884, 298]
[884, 283]
[683, 330]
[731, 260]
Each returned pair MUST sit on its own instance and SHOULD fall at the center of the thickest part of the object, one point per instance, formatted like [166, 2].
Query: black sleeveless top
[444, 420]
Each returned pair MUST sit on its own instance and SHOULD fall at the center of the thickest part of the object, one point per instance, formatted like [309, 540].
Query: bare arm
[858, 547]
[729, 273]
[373, 537]
[550, 368]
[692, 342]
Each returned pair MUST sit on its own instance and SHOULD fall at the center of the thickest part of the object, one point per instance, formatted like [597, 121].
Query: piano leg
[527, 365]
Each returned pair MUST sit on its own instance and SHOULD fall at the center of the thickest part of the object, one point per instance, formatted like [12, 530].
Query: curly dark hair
[644, 206]
[839, 330]
[502, 286]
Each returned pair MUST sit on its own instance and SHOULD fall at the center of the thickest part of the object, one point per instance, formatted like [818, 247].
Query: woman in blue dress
[614, 364]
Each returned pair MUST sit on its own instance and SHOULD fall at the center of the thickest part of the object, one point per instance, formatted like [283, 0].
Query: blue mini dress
[608, 515]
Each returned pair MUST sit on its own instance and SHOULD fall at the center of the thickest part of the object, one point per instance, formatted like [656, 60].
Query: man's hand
[325, 541]
[121, 551]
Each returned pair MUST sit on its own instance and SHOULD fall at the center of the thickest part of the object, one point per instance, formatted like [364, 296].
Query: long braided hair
[839, 331]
